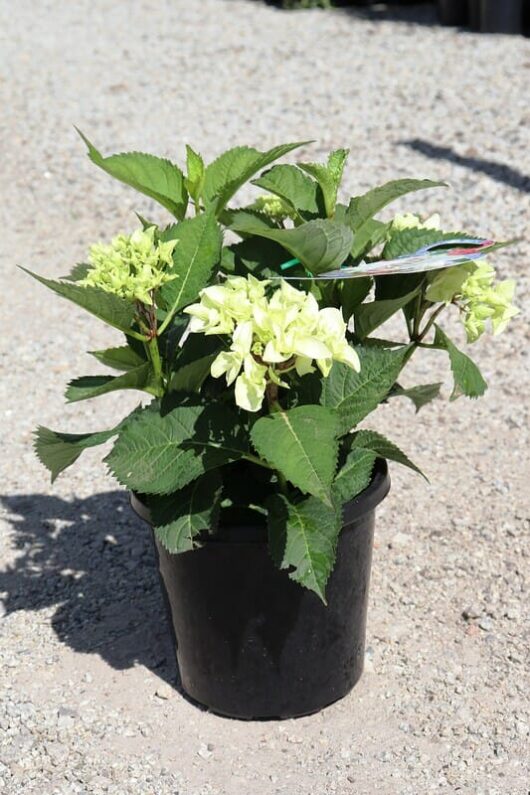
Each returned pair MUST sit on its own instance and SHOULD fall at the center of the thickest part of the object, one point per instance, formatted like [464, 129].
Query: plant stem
[154, 355]
[430, 322]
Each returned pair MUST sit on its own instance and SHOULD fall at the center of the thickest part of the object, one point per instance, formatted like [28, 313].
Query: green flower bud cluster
[486, 301]
[404, 221]
[132, 267]
[273, 207]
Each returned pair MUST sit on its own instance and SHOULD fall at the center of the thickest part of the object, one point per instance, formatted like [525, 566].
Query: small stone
[164, 691]
[472, 612]
[399, 541]
[204, 752]
[486, 623]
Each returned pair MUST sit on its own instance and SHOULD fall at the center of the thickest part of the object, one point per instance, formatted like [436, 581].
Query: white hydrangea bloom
[270, 336]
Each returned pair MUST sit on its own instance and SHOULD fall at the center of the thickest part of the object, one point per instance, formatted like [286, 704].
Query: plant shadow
[500, 172]
[94, 561]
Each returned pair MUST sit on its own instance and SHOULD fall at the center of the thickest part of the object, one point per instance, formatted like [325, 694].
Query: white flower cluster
[270, 335]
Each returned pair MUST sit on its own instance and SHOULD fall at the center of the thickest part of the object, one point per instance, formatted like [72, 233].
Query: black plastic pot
[474, 11]
[252, 643]
[501, 16]
[453, 12]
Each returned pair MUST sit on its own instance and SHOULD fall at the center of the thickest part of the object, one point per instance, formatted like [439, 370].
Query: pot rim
[355, 509]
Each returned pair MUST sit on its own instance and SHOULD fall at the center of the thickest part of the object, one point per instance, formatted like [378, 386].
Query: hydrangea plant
[256, 386]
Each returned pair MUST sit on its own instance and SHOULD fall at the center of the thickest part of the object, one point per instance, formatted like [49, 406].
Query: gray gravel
[86, 699]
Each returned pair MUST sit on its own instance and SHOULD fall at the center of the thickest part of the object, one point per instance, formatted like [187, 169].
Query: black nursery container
[453, 12]
[252, 643]
[501, 16]
[474, 9]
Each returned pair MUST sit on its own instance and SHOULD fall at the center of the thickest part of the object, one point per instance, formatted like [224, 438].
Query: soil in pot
[251, 642]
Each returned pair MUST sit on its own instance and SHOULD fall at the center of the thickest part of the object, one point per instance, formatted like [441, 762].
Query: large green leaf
[233, 168]
[301, 443]
[191, 376]
[370, 316]
[197, 251]
[158, 454]
[121, 358]
[354, 395]
[419, 395]
[236, 219]
[112, 309]
[354, 475]
[90, 386]
[363, 208]
[369, 235]
[320, 245]
[403, 242]
[156, 177]
[300, 192]
[371, 440]
[57, 451]
[329, 177]
[303, 536]
[467, 377]
[353, 293]
[258, 256]
[179, 517]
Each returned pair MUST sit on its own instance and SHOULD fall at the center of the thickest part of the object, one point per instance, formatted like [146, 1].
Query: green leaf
[353, 293]
[112, 309]
[420, 395]
[446, 283]
[236, 219]
[354, 395]
[190, 377]
[329, 177]
[403, 242]
[300, 192]
[258, 256]
[155, 177]
[363, 208]
[158, 454]
[369, 316]
[303, 536]
[354, 476]
[78, 272]
[197, 252]
[195, 179]
[233, 168]
[301, 443]
[320, 245]
[57, 451]
[371, 440]
[467, 377]
[367, 237]
[90, 386]
[121, 358]
[179, 517]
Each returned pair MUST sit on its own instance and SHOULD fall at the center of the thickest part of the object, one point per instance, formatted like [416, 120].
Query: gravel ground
[86, 675]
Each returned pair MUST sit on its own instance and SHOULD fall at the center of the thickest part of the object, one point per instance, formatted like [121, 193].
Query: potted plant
[259, 358]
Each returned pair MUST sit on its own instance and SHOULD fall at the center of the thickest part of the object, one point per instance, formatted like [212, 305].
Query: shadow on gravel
[408, 13]
[94, 560]
[491, 168]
